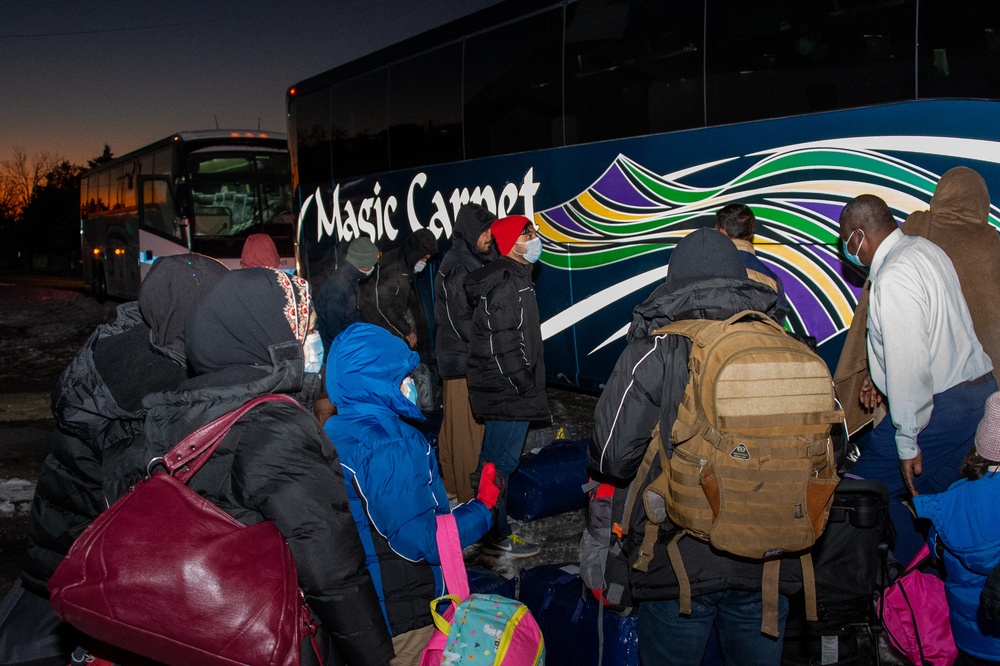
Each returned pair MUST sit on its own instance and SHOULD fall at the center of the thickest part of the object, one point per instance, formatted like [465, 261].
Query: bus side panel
[610, 213]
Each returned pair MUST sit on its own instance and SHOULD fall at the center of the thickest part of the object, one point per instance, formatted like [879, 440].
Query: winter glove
[489, 491]
[989, 600]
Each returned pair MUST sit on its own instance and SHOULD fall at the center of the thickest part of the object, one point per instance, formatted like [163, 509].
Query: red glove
[489, 491]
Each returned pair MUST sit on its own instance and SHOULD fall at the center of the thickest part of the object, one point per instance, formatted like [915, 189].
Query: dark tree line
[40, 209]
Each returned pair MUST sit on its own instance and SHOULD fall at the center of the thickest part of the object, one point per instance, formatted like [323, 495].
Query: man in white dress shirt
[924, 358]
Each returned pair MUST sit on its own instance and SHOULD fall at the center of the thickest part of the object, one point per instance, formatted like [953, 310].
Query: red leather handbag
[166, 574]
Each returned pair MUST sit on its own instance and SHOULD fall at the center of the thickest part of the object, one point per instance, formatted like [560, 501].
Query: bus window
[275, 180]
[513, 91]
[158, 207]
[312, 118]
[163, 161]
[425, 108]
[633, 68]
[359, 124]
[959, 48]
[129, 186]
[103, 191]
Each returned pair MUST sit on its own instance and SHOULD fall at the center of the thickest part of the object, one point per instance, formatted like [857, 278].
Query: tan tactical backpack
[752, 470]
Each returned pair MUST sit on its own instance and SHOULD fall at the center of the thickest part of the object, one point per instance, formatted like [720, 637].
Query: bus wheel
[99, 286]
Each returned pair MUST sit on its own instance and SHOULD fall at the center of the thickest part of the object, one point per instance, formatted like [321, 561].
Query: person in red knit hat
[506, 368]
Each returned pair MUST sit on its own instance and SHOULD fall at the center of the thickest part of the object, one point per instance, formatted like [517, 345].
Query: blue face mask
[409, 389]
[853, 258]
[532, 250]
[313, 351]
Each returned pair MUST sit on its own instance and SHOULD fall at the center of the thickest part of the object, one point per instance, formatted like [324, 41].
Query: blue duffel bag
[568, 618]
[549, 481]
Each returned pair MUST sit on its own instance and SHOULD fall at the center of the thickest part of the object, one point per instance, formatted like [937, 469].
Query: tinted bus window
[513, 87]
[359, 124]
[425, 108]
[103, 189]
[158, 207]
[128, 186]
[633, 68]
[312, 119]
[784, 57]
[959, 48]
[163, 161]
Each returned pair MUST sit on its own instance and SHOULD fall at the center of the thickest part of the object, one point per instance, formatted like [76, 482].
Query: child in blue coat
[393, 482]
[966, 521]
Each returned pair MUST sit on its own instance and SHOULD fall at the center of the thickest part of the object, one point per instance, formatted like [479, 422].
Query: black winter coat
[336, 302]
[646, 387]
[506, 367]
[277, 464]
[388, 295]
[97, 405]
[452, 312]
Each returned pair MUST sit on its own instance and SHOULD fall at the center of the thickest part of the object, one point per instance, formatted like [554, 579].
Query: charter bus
[201, 191]
[619, 126]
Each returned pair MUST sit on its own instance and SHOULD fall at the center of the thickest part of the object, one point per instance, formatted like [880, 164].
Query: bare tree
[20, 175]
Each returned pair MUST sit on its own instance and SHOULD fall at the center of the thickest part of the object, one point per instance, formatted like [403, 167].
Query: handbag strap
[456, 580]
[190, 454]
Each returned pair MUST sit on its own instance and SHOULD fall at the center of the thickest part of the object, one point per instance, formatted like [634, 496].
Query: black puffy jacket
[646, 387]
[97, 405]
[506, 366]
[452, 312]
[276, 463]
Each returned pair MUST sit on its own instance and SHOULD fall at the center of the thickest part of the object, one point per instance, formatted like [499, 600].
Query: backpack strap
[456, 579]
[769, 597]
[655, 445]
[809, 586]
[684, 584]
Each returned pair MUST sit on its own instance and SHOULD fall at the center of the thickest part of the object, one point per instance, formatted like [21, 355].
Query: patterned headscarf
[297, 303]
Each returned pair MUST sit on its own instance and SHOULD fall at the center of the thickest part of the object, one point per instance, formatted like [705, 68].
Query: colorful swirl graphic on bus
[796, 192]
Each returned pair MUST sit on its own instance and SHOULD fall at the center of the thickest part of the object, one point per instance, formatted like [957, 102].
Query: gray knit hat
[988, 432]
[362, 253]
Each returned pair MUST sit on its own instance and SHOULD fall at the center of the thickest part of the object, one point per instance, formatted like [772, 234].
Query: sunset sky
[78, 75]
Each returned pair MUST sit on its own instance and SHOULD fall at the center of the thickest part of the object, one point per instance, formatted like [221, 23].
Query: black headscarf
[168, 293]
[247, 312]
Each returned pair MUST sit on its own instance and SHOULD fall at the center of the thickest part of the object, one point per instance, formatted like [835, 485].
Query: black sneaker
[513, 545]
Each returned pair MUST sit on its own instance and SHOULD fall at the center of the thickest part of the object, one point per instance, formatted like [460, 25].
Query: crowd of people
[354, 488]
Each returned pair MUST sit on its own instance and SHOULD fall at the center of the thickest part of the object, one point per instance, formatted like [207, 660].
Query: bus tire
[99, 285]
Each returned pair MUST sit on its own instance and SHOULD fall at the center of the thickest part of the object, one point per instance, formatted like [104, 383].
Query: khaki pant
[460, 440]
[408, 646]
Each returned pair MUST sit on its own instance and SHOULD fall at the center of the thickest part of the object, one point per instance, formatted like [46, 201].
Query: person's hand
[869, 397]
[489, 491]
[909, 469]
[411, 339]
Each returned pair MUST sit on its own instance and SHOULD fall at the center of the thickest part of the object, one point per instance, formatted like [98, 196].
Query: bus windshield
[234, 191]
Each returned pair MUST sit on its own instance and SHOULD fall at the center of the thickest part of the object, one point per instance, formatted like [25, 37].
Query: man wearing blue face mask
[506, 367]
[924, 358]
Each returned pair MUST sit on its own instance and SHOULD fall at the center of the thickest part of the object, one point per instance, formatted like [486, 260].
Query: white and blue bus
[202, 191]
[621, 125]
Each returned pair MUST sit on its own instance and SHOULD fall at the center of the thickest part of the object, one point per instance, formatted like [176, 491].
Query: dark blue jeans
[503, 442]
[667, 638]
[943, 444]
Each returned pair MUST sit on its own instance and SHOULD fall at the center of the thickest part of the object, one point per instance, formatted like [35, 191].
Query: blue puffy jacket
[393, 482]
[966, 519]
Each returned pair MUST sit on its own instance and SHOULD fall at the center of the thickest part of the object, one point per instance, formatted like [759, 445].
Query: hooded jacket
[452, 312]
[506, 365]
[964, 519]
[388, 295]
[97, 405]
[393, 482]
[244, 339]
[706, 280]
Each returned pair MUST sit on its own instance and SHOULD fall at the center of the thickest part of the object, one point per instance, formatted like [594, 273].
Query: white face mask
[419, 266]
[313, 351]
[409, 389]
[367, 272]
